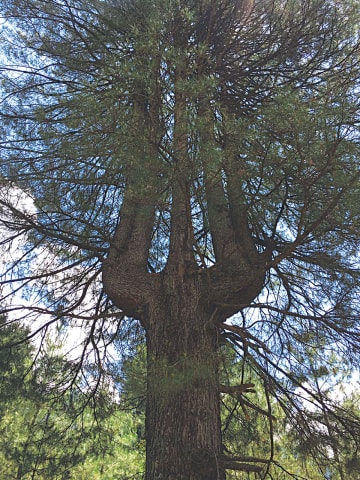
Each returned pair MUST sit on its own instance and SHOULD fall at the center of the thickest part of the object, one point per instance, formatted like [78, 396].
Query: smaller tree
[15, 360]
[326, 443]
[54, 428]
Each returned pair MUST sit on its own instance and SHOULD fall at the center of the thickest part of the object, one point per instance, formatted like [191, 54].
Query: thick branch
[230, 464]
[181, 254]
[125, 276]
[132, 239]
[237, 389]
[244, 335]
[222, 234]
[240, 458]
[238, 208]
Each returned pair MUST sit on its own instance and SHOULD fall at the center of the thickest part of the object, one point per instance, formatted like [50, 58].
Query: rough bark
[182, 314]
[183, 430]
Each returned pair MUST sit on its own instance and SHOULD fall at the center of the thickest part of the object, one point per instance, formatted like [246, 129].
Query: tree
[51, 432]
[330, 447]
[186, 162]
[14, 363]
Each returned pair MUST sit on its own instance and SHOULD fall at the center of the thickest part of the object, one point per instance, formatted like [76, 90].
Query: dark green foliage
[50, 429]
[15, 360]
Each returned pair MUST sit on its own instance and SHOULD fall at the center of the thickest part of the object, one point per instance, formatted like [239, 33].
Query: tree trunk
[183, 429]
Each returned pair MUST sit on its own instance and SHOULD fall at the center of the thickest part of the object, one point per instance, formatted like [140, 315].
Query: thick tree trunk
[183, 306]
[182, 309]
[183, 430]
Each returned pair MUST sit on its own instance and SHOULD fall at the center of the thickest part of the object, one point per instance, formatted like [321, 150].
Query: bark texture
[183, 412]
[182, 308]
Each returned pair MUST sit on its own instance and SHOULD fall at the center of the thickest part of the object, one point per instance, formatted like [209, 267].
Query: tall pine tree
[185, 162]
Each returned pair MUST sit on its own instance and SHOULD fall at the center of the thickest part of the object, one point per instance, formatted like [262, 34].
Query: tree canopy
[178, 163]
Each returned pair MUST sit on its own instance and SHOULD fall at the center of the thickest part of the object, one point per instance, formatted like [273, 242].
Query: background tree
[52, 430]
[187, 161]
[323, 450]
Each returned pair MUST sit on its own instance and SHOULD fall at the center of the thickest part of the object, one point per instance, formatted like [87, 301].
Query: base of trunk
[183, 429]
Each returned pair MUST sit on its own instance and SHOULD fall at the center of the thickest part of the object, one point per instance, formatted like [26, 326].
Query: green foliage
[15, 360]
[324, 449]
[47, 432]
